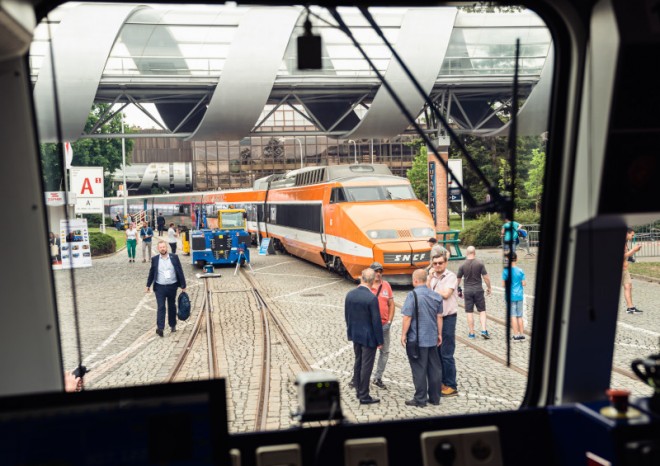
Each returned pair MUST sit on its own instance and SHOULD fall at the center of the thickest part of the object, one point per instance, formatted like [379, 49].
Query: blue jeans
[165, 292]
[446, 351]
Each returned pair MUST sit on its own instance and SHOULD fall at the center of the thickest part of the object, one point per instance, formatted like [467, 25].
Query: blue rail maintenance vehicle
[226, 244]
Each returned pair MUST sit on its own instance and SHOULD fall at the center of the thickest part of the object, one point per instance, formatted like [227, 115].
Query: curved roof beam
[248, 74]
[533, 115]
[81, 47]
[420, 29]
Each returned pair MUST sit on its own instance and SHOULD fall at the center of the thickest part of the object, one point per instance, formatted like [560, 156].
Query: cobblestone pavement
[117, 322]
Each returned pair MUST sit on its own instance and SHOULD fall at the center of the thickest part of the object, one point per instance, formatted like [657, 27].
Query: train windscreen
[167, 84]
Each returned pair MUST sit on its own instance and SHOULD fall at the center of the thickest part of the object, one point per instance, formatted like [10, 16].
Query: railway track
[268, 317]
[512, 366]
[204, 318]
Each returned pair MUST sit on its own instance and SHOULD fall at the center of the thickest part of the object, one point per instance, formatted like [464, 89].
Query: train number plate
[407, 258]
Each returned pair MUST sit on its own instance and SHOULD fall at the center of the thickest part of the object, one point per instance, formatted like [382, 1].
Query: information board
[263, 248]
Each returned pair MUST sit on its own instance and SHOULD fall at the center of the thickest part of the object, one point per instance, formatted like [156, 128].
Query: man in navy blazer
[365, 330]
[166, 275]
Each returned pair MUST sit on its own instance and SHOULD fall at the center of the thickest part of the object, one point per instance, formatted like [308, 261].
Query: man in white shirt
[444, 282]
[166, 274]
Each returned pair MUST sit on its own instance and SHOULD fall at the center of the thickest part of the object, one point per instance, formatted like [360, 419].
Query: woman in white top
[171, 237]
[131, 242]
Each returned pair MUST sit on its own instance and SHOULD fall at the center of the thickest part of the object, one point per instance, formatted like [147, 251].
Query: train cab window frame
[337, 195]
[268, 209]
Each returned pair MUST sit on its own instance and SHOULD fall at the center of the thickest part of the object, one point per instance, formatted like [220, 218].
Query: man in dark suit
[166, 275]
[365, 330]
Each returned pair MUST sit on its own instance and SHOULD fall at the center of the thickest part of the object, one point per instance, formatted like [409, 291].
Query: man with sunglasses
[444, 282]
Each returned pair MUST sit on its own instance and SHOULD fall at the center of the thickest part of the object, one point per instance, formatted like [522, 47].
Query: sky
[135, 116]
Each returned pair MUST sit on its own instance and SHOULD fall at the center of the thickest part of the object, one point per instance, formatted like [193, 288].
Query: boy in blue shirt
[517, 294]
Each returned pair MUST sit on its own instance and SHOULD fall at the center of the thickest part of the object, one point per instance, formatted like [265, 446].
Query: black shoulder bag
[412, 349]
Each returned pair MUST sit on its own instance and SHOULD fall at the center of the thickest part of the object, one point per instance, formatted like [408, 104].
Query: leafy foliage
[88, 152]
[492, 157]
[94, 220]
[486, 233]
[482, 233]
[534, 183]
[101, 243]
[418, 174]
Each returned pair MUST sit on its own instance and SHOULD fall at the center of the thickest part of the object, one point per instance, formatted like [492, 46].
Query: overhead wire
[496, 198]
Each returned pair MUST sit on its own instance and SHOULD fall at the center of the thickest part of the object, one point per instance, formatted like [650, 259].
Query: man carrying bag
[421, 334]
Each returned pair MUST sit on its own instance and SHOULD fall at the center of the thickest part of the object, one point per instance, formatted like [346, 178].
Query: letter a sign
[87, 183]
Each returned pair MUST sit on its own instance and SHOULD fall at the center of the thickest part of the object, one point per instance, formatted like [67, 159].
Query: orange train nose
[402, 254]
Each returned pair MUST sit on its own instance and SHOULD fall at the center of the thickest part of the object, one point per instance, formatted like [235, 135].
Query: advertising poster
[87, 184]
[75, 251]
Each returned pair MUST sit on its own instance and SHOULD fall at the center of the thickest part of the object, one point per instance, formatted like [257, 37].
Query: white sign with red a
[87, 184]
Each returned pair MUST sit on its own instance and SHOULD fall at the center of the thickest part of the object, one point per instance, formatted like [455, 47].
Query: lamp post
[354, 149]
[300, 146]
[123, 167]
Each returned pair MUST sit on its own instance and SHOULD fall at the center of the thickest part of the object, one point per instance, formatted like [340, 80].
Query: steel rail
[514, 367]
[187, 348]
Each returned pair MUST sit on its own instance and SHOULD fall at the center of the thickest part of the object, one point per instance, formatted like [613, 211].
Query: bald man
[474, 271]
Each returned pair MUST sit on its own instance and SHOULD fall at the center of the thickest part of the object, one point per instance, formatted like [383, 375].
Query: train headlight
[422, 232]
[382, 234]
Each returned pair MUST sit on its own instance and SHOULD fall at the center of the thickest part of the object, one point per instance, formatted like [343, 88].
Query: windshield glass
[379, 193]
[231, 220]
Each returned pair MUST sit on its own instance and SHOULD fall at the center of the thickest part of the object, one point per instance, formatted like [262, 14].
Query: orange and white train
[342, 217]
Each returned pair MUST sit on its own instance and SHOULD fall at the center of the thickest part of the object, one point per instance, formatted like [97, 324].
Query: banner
[87, 184]
[432, 200]
[54, 198]
[456, 167]
[75, 251]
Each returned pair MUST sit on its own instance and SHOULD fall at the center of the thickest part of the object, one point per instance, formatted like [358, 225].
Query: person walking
[474, 271]
[517, 294]
[444, 282]
[383, 292]
[627, 279]
[166, 275]
[421, 335]
[131, 241]
[160, 223]
[172, 236]
[509, 228]
[146, 234]
[364, 329]
[54, 242]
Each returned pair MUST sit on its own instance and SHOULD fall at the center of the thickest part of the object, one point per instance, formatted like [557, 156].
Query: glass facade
[236, 164]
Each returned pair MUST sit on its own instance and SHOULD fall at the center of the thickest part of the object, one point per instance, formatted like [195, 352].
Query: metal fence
[649, 237]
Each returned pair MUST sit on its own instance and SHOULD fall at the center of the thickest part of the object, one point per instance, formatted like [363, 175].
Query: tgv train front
[385, 222]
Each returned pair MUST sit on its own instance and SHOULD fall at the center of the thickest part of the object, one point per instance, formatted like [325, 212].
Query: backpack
[522, 233]
[183, 306]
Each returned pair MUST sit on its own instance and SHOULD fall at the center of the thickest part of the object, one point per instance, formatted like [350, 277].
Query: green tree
[418, 174]
[492, 157]
[534, 183]
[89, 152]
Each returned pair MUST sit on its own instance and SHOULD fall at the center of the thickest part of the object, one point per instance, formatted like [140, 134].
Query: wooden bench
[449, 240]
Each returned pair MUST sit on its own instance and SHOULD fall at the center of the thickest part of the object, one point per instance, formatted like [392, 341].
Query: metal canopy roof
[219, 72]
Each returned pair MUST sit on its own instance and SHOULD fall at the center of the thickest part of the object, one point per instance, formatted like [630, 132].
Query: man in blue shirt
[517, 296]
[421, 335]
[146, 234]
